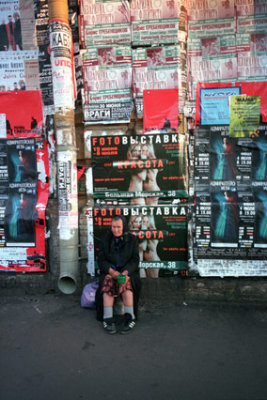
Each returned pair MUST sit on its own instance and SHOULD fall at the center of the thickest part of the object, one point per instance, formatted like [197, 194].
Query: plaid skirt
[113, 288]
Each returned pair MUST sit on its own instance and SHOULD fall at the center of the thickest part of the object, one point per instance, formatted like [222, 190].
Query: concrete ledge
[28, 283]
[177, 289]
[155, 292]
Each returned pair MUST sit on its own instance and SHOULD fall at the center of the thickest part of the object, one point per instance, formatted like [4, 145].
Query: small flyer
[244, 116]
[214, 104]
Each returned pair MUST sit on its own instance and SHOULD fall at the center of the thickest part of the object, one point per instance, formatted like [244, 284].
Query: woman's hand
[113, 273]
[125, 272]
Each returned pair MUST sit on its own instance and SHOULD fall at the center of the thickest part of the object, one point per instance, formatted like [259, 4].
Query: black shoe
[109, 326]
[128, 324]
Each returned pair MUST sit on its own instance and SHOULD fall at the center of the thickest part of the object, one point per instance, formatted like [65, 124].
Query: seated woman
[118, 255]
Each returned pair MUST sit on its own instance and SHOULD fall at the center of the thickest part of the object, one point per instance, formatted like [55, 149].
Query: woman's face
[137, 223]
[136, 152]
[145, 221]
[117, 228]
[145, 151]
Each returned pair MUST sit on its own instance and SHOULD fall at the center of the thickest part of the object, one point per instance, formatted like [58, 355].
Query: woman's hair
[124, 222]
[132, 221]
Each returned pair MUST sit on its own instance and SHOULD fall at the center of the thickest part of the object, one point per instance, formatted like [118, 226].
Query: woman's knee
[127, 298]
[108, 300]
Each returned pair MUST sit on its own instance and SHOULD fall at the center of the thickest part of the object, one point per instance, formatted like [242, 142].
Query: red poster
[23, 112]
[160, 110]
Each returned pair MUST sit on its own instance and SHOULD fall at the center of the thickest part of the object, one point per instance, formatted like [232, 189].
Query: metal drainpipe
[61, 54]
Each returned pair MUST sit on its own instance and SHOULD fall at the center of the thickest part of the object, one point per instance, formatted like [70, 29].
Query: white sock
[108, 312]
[129, 310]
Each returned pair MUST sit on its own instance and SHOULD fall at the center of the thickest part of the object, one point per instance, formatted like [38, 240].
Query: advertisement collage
[174, 112]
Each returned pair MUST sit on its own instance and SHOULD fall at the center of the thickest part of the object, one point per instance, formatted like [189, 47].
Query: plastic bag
[88, 295]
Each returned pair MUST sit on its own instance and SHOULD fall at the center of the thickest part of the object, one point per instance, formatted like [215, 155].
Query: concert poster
[24, 188]
[230, 197]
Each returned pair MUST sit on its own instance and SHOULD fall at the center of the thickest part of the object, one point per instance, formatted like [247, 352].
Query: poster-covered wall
[226, 42]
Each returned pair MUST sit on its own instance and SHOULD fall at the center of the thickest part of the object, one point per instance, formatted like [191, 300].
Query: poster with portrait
[104, 22]
[154, 22]
[222, 157]
[17, 29]
[19, 71]
[251, 43]
[161, 232]
[218, 69]
[248, 7]
[198, 10]
[107, 74]
[211, 46]
[24, 188]
[224, 219]
[148, 167]
[27, 121]
[154, 68]
[10, 28]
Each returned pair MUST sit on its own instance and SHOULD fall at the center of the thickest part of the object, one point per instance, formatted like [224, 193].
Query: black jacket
[123, 255]
[127, 258]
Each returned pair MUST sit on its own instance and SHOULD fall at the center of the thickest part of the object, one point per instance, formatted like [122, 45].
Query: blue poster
[214, 104]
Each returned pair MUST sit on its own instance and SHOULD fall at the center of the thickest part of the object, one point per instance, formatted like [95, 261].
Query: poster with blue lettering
[214, 105]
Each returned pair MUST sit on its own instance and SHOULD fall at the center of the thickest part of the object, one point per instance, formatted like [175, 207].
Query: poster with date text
[24, 188]
[149, 167]
[161, 232]
[230, 215]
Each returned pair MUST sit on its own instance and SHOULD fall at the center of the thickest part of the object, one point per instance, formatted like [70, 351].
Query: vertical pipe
[63, 90]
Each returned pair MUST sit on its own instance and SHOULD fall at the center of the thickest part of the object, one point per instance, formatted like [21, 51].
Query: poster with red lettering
[161, 232]
[144, 168]
[160, 110]
[23, 113]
